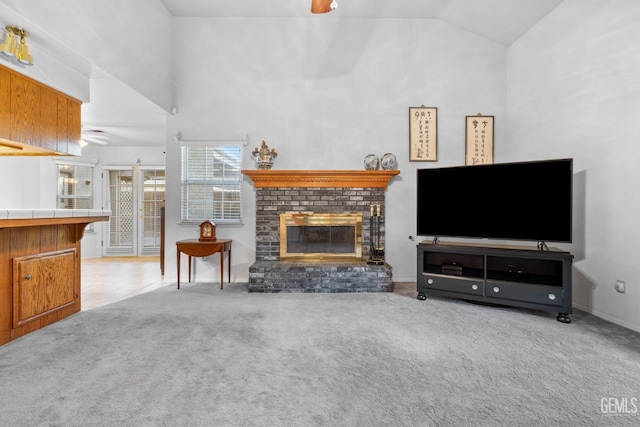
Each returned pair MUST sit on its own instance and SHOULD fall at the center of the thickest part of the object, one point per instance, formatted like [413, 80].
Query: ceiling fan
[94, 136]
[323, 6]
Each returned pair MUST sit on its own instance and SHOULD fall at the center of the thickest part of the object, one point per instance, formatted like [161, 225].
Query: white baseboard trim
[578, 306]
[607, 317]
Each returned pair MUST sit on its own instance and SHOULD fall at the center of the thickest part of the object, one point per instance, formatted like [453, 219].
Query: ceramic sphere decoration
[388, 161]
[371, 162]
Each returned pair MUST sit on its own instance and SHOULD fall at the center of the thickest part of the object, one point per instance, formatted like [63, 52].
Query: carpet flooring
[200, 356]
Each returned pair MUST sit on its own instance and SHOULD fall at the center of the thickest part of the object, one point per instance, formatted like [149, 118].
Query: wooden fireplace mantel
[320, 178]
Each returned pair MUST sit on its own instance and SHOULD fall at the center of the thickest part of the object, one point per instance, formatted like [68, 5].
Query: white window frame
[59, 186]
[231, 182]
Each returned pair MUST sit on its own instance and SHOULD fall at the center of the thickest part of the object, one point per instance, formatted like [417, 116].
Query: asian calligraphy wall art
[479, 140]
[423, 134]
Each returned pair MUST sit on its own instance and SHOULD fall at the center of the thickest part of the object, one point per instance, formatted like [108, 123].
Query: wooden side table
[196, 248]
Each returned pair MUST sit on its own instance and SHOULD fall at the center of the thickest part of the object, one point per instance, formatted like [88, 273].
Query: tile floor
[110, 279]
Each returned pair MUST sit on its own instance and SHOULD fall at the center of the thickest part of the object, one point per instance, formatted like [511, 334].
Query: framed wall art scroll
[423, 134]
[479, 140]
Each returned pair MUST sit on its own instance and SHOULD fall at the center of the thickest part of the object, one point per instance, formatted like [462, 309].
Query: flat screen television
[511, 201]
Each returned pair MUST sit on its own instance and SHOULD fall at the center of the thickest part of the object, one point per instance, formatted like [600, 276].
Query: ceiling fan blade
[321, 6]
[95, 135]
[93, 140]
[100, 127]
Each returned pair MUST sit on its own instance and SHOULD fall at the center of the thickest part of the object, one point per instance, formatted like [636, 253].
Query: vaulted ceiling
[502, 21]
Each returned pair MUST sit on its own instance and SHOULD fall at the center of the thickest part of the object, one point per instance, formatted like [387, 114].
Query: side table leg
[178, 268]
[221, 266]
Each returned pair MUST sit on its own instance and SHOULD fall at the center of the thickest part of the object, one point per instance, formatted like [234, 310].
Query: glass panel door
[135, 196]
[151, 201]
[120, 200]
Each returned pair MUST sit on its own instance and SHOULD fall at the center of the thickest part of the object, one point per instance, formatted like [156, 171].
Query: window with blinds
[211, 183]
[75, 186]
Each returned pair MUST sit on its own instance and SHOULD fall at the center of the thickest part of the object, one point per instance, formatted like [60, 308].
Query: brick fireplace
[316, 193]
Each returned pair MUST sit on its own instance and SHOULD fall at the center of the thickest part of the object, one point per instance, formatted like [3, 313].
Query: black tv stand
[532, 278]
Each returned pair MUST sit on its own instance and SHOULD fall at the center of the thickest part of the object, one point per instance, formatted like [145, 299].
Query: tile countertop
[50, 213]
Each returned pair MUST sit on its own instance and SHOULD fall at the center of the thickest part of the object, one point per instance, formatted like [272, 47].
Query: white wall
[129, 39]
[324, 93]
[27, 182]
[61, 70]
[574, 91]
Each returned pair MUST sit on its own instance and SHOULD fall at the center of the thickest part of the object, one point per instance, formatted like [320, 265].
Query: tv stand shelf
[504, 275]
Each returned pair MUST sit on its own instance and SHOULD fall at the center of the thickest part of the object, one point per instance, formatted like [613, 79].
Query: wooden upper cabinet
[5, 104]
[74, 127]
[68, 126]
[25, 110]
[48, 129]
[34, 114]
[62, 124]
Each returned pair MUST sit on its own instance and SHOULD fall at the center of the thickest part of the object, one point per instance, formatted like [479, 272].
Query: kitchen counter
[40, 266]
[49, 213]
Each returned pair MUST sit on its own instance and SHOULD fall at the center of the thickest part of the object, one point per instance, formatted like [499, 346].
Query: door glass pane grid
[121, 205]
[153, 193]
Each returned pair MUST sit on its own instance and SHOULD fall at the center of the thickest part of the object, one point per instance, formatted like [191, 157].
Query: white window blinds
[211, 183]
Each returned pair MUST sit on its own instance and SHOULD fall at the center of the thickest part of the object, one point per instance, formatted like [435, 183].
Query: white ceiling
[116, 115]
[127, 118]
[502, 21]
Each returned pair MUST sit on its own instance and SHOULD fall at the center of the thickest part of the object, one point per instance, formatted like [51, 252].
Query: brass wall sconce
[14, 45]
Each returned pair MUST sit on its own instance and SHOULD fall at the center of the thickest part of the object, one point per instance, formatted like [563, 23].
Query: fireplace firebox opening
[309, 236]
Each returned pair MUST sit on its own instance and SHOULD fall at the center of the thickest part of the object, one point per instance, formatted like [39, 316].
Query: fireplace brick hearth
[318, 276]
[318, 192]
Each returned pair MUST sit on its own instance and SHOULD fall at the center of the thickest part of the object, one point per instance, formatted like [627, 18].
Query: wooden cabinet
[38, 116]
[47, 133]
[43, 284]
[71, 138]
[39, 272]
[5, 102]
[25, 110]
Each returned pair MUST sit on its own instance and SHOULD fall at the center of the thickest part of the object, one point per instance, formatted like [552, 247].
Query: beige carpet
[204, 357]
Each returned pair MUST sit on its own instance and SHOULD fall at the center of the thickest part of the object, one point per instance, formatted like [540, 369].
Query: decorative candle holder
[264, 157]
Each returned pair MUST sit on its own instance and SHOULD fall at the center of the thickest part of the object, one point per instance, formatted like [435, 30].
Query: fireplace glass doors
[321, 236]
